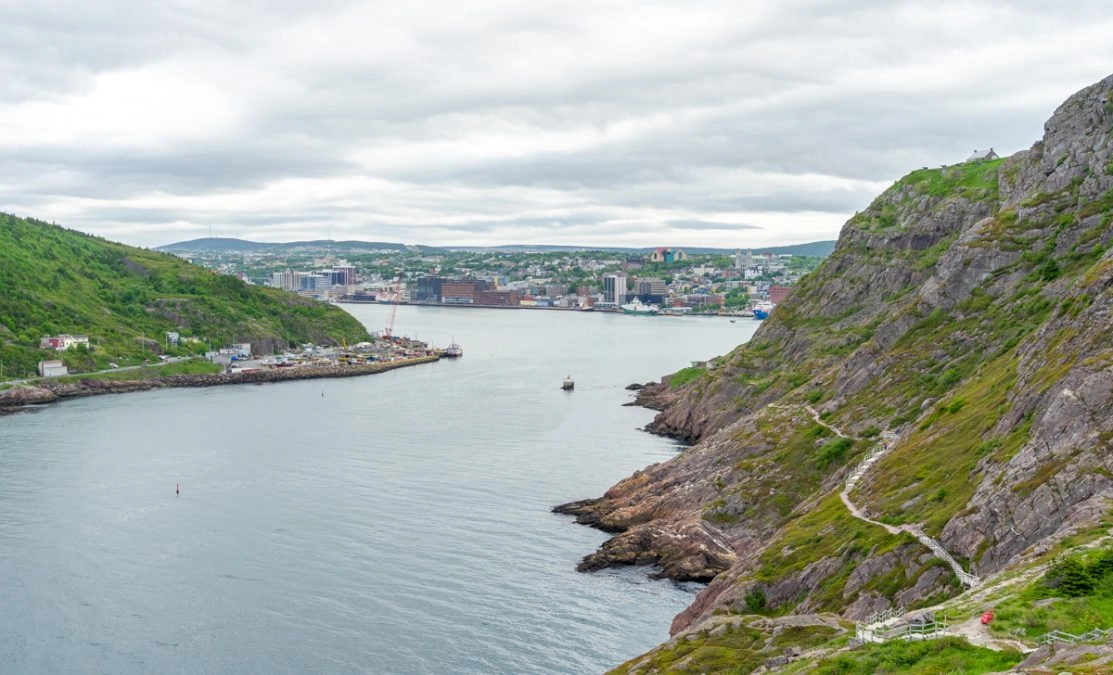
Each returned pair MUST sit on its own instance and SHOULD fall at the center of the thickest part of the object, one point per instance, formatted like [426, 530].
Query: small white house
[52, 368]
[982, 155]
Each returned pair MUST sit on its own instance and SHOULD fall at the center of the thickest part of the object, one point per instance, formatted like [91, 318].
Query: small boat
[453, 351]
[568, 384]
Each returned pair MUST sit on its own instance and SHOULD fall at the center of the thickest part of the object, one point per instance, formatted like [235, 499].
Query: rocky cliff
[958, 338]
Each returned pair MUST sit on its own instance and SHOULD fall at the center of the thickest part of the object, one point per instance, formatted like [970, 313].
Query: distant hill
[227, 244]
[54, 280]
[820, 249]
[216, 244]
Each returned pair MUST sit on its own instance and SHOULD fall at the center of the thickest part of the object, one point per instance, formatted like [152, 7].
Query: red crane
[396, 298]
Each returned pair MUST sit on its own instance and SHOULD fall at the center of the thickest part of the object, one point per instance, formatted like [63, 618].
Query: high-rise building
[652, 291]
[429, 289]
[344, 275]
[651, 286]
[287, 281]
[614, 288]
[312, 281]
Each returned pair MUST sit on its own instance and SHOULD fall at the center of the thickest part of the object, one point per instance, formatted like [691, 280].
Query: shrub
[834, 452]
[755, 601]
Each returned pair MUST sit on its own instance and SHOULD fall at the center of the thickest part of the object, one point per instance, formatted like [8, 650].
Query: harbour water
[395, 523]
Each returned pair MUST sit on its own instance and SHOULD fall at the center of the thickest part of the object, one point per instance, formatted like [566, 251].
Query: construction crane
[396, 297]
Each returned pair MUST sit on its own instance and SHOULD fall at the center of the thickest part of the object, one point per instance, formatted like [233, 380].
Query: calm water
[397, 523]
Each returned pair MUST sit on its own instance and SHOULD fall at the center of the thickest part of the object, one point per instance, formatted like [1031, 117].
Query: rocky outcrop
[983, 288]
[19, 397]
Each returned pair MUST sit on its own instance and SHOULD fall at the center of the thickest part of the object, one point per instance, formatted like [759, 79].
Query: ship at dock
[453, 351]
[638, 307]
[762, 310]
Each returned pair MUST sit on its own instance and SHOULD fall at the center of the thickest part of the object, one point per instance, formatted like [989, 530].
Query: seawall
[19, 398]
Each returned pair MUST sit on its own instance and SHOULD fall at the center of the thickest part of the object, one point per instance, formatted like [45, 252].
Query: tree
[1070, 577]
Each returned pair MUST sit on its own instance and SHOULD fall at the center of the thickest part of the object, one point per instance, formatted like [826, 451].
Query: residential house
[63, 342]
[982, 156]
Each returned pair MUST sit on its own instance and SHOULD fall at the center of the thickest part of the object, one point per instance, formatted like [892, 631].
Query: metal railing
[870, 629]
[873, 629]
[1069, 638]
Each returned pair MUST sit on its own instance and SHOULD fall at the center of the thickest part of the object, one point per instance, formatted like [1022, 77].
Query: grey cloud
[805, 97]
[706, 225]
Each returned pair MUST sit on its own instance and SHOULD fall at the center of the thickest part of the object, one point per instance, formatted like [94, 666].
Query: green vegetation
[686, 375]
[926, 657]
[827, 532]
[740, 646]
[938, 458]
[126, 299]
[736, 298]
[1075, 595]
[193, 367]
[834, 452]
[970, 180]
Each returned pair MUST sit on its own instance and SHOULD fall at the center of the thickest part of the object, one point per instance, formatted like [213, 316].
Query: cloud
[634, 122]
[683, 224]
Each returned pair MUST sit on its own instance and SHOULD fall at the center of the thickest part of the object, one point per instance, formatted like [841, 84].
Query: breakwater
[40, 393]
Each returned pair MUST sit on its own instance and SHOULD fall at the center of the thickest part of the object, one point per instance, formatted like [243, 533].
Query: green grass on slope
[54, 281]
[927, 478]
[829, 532]
[926, 657]
[1074, 596]
[799, 458]
[971, 180]
[686, 375]
[193, 367]
[740, 648]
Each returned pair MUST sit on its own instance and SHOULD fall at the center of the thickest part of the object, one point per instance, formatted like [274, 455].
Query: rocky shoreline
[692, 552]
[22, 397]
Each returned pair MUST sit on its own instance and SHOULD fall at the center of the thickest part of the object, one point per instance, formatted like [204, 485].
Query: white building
[52, 369]
[614, 288]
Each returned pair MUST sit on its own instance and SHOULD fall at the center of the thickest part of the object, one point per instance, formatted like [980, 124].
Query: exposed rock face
[967, 311]
[23, 396]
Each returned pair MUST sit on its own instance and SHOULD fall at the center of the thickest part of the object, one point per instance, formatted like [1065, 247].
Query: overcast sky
[596, 122]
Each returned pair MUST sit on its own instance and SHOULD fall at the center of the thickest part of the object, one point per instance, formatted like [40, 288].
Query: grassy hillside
[54, 280]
